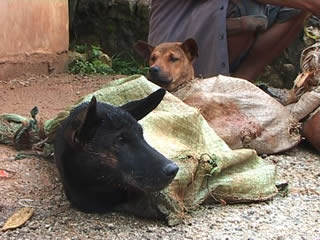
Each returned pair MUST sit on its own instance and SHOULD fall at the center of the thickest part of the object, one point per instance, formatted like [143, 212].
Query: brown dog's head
[170, 63]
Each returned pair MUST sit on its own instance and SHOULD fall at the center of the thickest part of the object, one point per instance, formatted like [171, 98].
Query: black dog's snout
[154, 70]
[171, 170]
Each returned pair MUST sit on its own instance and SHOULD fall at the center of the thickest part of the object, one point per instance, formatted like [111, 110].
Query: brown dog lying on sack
[240, 113]
[170, 63]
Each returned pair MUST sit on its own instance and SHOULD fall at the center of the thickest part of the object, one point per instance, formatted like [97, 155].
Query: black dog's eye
[173, 58]
[121, 140]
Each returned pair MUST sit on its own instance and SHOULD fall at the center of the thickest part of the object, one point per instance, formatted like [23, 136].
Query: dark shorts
[279, 15]
[274, 14]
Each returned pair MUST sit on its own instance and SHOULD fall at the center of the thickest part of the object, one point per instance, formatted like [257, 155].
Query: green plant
[96, 51]
[80, 66]
[81, 48]
[91, 64]
[127, 65]
[124, 64]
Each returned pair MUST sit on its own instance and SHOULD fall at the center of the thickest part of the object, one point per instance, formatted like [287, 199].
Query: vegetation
[128, 66]
[93, 62]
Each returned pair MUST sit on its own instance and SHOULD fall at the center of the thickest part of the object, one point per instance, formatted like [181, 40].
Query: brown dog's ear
[143, 49]
[190, 48]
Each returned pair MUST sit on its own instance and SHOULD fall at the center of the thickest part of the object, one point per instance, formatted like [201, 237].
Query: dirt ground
[50, 93]
[35, 183]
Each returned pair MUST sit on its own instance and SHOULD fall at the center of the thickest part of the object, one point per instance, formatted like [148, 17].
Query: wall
[34, 36]
[115, 25]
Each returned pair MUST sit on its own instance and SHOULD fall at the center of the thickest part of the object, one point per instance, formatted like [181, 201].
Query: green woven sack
[209, 169]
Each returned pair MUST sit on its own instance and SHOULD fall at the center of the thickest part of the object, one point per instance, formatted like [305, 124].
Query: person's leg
[268, 46]
[238, 47]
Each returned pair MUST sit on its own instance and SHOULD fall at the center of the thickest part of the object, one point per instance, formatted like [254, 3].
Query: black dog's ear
[82, 126]
[190, 48]
[143, 49]
[140, 108]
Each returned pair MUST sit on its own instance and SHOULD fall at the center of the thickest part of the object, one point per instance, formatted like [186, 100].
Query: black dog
[103, 158]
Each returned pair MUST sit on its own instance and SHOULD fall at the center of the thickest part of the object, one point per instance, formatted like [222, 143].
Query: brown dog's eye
[173, 58]
[153, 58]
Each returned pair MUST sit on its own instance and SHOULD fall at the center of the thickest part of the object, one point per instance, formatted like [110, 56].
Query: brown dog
[234, 108]
[170, 63]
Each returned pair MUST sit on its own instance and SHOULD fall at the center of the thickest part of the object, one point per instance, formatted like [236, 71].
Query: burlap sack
[306, 92]
[208, 167]
[242, 114]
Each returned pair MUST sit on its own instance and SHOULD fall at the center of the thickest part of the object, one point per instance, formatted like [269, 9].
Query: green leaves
[128, 65]
[96, 51]
[96, 62]
[95, 66]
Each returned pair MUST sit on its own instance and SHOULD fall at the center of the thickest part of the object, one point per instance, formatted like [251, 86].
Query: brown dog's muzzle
[158, 76]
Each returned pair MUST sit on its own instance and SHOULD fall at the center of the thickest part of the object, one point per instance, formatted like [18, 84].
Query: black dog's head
[102, 156]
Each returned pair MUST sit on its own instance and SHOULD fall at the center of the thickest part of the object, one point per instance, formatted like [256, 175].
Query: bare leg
[239, 44]
[268, 46]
